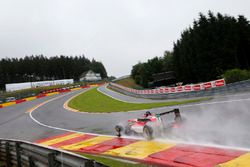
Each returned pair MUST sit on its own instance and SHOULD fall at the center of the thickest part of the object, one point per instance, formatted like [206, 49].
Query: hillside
[128, 82]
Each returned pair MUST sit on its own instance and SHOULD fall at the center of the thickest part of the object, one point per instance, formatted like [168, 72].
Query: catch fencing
[26, 85]
[217, 87]
[24, 154]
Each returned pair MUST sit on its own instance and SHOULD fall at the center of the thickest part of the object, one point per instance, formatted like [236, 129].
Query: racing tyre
[148, 132]
[118, 129]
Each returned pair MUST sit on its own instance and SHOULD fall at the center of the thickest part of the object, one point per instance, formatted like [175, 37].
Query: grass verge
[112, 162]
[94, 101]
[2, 164]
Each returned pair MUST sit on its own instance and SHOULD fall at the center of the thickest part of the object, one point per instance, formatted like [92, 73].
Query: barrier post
[7, 153]
[18, 156]
[31, 162]
[52, 161]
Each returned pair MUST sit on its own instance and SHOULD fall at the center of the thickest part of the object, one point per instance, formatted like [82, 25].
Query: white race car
[150, 125]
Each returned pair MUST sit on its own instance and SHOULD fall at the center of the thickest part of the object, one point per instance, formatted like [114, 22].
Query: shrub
[235, 75]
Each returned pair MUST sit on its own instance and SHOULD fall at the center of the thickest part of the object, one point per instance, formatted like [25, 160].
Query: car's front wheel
[148, 132]
[118, 130]
[128, 130]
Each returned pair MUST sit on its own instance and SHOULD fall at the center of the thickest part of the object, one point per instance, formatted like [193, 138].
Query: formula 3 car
[150, 125]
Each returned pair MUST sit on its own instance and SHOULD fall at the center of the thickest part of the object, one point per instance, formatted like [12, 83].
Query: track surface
[223, 120]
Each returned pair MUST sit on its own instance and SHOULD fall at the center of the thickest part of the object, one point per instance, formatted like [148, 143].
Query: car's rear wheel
[148, 132]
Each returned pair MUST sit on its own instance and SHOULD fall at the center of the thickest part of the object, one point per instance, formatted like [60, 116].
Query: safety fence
[217, 87]
[27, 85]
[177, 89]
[45, 94]
[21, 153]
[64, 89]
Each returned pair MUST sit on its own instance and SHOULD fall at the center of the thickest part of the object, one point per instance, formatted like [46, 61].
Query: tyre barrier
[232, 88]
[64, 89]
[49, 93]
[21, 153]
[149, 152]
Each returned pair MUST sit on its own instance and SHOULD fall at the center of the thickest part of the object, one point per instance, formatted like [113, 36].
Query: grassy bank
[94, 101]
[128, 82]
[1, 164]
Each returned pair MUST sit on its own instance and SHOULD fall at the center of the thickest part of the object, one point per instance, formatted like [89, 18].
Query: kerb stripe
[192, 156]
[73, 140]
[53, 137]
[139, 150]
[87, 143]
[242, 161]
[60, 139]
[107, 145]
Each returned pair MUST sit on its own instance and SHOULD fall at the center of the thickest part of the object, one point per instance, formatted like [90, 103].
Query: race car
[150, 125]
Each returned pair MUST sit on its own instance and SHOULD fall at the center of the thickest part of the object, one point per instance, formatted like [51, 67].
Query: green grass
[2, 164]
[129, 82]
[94, 101]
[111, 162]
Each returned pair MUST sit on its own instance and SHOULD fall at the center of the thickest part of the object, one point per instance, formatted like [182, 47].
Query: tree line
[39, 67]
[143, 72]
[212, 45]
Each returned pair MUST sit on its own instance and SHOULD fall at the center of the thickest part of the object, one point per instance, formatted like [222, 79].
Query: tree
[98, 67]
[143, 72]
[214, 44]
[39, 67]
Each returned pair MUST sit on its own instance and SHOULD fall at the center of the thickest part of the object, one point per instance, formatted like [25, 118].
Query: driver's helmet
[148, 113]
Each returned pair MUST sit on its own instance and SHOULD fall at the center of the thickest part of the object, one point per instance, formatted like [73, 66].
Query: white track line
[69, 130]
[65, 105]
[57, 128]
[98, 89]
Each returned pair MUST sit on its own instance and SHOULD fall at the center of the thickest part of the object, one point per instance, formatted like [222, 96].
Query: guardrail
[21, 153]
[232, 88]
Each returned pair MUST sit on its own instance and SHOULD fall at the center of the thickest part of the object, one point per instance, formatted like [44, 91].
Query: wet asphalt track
[223, 120]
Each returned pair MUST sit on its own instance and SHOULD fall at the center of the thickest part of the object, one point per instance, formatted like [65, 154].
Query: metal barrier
[232, 88]
[24, 154]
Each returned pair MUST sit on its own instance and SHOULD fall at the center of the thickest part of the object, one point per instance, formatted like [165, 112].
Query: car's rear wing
[176, 112]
